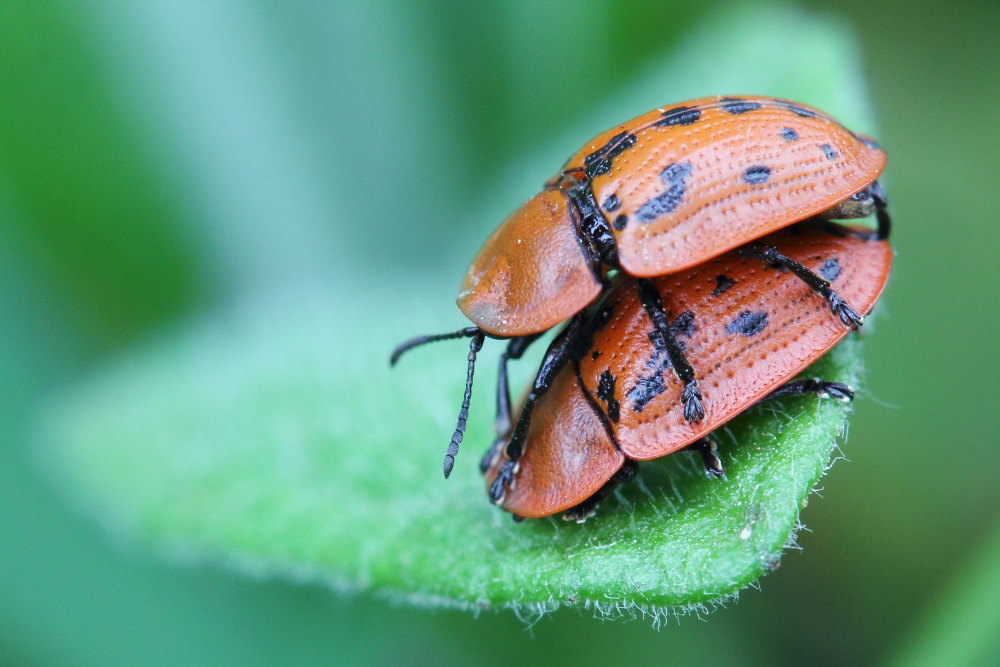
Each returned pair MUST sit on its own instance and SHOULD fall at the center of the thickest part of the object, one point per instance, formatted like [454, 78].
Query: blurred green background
[158, 160]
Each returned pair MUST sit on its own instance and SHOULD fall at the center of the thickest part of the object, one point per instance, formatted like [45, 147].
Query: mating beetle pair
[747, 328]
[659, 196]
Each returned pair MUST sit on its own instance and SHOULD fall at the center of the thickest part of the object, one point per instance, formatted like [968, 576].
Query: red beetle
[748, 327]
[656, 195]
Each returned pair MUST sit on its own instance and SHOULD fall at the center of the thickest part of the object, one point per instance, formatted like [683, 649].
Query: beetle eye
[861, 196]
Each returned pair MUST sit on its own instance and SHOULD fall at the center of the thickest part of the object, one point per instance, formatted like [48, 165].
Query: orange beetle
[663, 192]
[747, 327]
[653, 196]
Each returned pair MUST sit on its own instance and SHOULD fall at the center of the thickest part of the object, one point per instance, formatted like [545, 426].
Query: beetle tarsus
[498, 489]
[652, 303]
[834, 390]
[847, 315]
[694, 411]
[709, 456]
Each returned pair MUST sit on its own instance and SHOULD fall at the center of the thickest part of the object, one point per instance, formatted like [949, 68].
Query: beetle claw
[847, 315]
[498, 489]
[835, 390]
[709, 456]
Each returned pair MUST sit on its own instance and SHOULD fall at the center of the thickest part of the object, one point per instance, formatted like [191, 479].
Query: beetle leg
[586, 509]
[502, 424]
[491, 454]
[691, 396]
[881, 215]
[881, 212]
[515, 349]
[835, 390]
[709, 456]
[847, 315]
[556, 356]
[823, 389]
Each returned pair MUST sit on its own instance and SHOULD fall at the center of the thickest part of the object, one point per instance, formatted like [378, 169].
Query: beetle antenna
[420, 340]
[475, 345]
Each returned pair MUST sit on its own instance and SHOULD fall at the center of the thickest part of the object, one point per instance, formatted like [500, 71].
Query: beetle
[656, 195]
[750, 328]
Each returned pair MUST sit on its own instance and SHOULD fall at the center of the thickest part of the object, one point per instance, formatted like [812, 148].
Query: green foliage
[963, 627]
[92, 213]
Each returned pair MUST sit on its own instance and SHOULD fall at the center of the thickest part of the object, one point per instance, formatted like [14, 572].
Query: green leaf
[278, 441]
[274, 439]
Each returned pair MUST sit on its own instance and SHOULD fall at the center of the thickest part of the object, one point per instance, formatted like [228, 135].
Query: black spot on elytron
[737, 106]
[645, 390]
[606, 392]
[799, 111]
[757, 174]
[868, 141]
[789, 134]
[620, 222]
[748, 323]
[594, 355]
[830, 270]
[828, 151]
[611, 204]
[722, 283]
[659, 345]
[683, 325]
[679, 116]
[599, 162]
[675, 176]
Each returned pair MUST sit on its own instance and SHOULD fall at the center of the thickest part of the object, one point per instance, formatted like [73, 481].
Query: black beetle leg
[502, 425]
[709, 456]
[823, 389]
[585, 510]
[847, 315]
[556, 356]
[653, 304]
